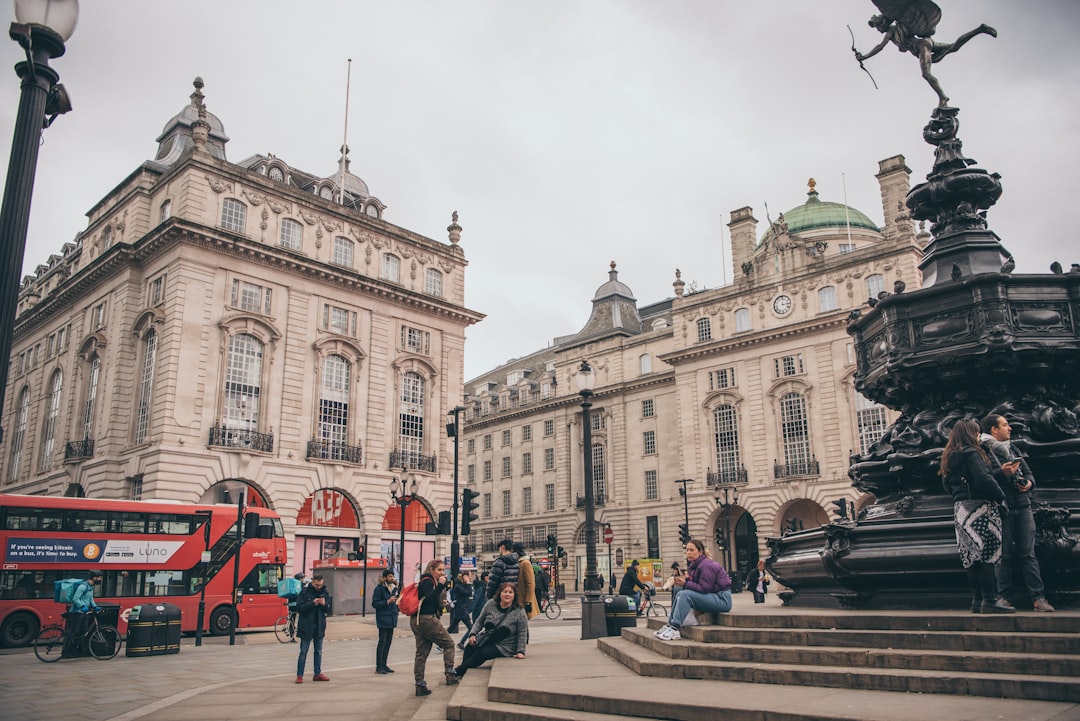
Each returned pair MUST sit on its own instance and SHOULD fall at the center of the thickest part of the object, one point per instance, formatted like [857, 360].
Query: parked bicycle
[551, 608]
[285, 628]
[54, 642]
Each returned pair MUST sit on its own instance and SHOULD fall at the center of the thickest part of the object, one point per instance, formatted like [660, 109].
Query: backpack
[409, 600]
[289, 588]
[64, 589]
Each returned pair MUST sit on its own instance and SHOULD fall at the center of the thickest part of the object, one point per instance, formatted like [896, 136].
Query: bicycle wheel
[655, 609]
[284, 630]
[104, 643]
[49, 643]
[553, 610]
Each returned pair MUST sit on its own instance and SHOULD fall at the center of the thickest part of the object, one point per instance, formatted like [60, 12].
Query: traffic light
[841, 508]
[684, 533]
[561, 552]
[444, 523]
[469, 505]
[551, 545]
[720, 540]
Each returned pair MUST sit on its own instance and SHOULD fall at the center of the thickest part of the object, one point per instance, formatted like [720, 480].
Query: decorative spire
[679, 284]
[454, 229]
[613, 274]
[200, 129]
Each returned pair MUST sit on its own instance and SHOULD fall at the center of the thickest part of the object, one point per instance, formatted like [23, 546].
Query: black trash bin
[153, 630]
[619, 612]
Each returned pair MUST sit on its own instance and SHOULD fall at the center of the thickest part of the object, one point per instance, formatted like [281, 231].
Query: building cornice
[834, 320]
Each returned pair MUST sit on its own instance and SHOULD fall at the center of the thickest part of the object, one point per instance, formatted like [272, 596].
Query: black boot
[992, 602]
[976, 589]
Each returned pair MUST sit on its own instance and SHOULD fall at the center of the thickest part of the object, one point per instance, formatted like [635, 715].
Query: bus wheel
[222, 621]
[18, 630]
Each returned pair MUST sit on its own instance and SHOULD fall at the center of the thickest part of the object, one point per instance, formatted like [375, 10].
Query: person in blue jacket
[386, 614]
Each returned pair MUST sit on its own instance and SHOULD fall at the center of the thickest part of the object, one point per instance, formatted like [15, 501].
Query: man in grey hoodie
[1018, 527]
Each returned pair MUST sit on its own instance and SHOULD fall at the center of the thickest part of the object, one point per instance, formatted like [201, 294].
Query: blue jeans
[719, 602]
[1018, 546]
[302, 661]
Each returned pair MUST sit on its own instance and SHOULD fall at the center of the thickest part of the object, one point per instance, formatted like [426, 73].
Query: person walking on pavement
[427, 627]
[630, 583]
[461, 595]
[758, 581]
[1017, 482]
[313, 605]
[526, 583]
[504, 570]
[384, 600]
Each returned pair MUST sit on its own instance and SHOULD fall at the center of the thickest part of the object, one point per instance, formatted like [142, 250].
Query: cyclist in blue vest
[79, 610]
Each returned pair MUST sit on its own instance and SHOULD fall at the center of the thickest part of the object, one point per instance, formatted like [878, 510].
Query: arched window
[166, 211]
[645, 363]
[93, 372]
[292, 234]
[871, 421]
[391, 268]
[726, 437]
[343, 252]
[599, 473]
[243, 383]
[106, 238]
[276, 175]
[19, 436]
[52, 412]
[795, 433]
[742, 320]
[334, 402]
[826, 298]
[433, 282]
[146, 387]
[875, 284]
[233, 215]
[704, 330]
[411, 418]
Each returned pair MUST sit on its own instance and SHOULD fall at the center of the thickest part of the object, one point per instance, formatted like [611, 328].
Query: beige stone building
[242, 328]
[744, 390]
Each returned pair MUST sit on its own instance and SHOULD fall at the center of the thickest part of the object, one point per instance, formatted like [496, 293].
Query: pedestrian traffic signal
[469, 505]
[561, 552]
[551, 542]
[841, 508]
[684, 533]
[720, 540]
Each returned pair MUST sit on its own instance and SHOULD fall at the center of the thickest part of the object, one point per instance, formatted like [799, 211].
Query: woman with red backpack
[427, 627]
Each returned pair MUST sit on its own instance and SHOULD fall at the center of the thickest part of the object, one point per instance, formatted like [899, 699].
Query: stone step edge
[674, 699]
[471, 691]
[645, 662]
[645, 639]
[1063, 622]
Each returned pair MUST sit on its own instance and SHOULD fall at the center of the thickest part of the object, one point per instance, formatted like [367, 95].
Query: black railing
[727, 477]
[76, 450]
[412, 461]
[799, 468]
[334, 451]
[468, 548]
[598, 500]
[489, 546]
[236, 438]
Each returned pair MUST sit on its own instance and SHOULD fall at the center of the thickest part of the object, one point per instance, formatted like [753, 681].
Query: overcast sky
[569, 134]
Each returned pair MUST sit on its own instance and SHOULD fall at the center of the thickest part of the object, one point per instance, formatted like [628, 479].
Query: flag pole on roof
[344, 136]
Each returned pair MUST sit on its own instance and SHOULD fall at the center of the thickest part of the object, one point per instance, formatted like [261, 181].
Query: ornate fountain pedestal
[974, 340]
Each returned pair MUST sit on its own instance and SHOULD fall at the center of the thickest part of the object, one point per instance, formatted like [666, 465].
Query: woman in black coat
[384, 600]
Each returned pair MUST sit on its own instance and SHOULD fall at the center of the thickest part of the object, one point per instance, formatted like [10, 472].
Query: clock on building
[782, 305]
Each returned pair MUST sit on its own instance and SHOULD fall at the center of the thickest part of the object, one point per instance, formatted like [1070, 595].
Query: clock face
[782, 305]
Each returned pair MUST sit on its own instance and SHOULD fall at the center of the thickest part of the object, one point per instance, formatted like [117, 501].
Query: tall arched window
[19, 436]
[391, 268]
[433, 282]
[411, 418]
[645, 363]
[726, 437]
[52, 412]
[343, 252]
[146, 387]
[243, 382]
[166, 211]
[93, 372]
[795, 433]
[871, 420]
[334, 402]
[599, 473]
[292, 234]
[233, 215]
[704, 330]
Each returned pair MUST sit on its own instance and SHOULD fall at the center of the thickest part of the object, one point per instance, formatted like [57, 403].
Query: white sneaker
[662, 630]
[670, 634]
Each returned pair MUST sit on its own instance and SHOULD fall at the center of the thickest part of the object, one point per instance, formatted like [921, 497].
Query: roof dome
[352, 183]
[613, 287]
[176, 136]
[815, 214]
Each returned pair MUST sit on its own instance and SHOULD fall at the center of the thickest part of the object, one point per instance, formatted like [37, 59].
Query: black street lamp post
[402, 499]
[685, 536]
[454, 430]
[730, 500]
[205, 516]
[593, 624]
[41, 28]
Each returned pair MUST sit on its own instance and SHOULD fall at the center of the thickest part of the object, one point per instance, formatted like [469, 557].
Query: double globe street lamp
[401, 498]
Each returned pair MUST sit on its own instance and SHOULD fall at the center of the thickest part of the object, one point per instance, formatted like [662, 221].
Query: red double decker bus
[147, 551]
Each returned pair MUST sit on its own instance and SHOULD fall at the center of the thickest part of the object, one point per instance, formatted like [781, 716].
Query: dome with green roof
[817, 214]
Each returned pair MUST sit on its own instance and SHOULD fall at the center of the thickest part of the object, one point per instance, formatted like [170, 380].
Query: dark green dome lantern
[817, 214]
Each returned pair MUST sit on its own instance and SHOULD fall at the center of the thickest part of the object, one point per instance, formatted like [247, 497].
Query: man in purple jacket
[706, 587]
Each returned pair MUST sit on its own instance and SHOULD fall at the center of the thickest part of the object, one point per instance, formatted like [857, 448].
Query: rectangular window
[599, 469]
[433, 282]
[343, 252]
[155, 292]
[471, 445]
[487, 505]
[704, 330]
[526, 463]
[794, 430]
[415, 340]
[470, 473]
[789, 365]
[645, 364]
[513, 377]
[526, 500]
[250, 297]
[545, 390]
[845, 248]
[827, 298]
[597, 421]
[487, 442]
[549, 496]
[647, 409]
[549, 459]
[651, 492]
[487, 470]
[233, 215]
[391, 268]
[726, 438]
[648, 443]
[875, 284]
[526, 433]
[742, 320]
[549, 427]
[506, 437]
[339, 320]
[97, 317]
[723, 378]
[872, 422]
[506, 508]
[136, 488]
[506, 467]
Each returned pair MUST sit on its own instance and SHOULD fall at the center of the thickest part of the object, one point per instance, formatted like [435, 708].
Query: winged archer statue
[910, 25]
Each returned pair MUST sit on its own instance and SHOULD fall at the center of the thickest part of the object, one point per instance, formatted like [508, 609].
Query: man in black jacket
[313, 605]
[1018, 524]
[630, 583]
[504, 570]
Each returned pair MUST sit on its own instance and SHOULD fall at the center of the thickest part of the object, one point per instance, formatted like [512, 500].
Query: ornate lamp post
[402, 499]
[727, 497]
[41, 27]
[593, 624]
